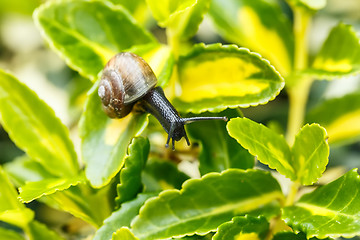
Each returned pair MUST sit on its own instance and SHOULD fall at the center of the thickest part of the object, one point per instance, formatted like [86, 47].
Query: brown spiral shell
[126, 78]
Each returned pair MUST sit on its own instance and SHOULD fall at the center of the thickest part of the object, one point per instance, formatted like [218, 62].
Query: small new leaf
[269, 147]
[310, 153]
[305, 162]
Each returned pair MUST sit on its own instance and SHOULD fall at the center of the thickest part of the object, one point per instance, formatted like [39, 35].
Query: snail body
[128, 80]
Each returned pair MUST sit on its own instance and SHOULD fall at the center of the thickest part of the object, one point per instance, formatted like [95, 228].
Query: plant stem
[299, 91]
[292, 194]
[302, 20]
[298, 96]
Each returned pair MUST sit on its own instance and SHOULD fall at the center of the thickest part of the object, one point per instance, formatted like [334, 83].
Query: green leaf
[185, 24]
[122, 217]
[11, 209]
[130, 175]
[24, 169]
[332, 210]
[311, 5]
[219, 151]
[123, 234]
[310, 153]
[203, 204]
[86, 34]
[138, 9]
[164, 11]
[293, 236]
[216, 77]
[161, 174]
[340, 117]
[33, 190]
[339, 55]
[18, 6]
[269, 147]
[33, 126]
[6, 234]
[81, 200]
[243, 228]
[257, 25]
[160, 59]
[105, 140]
[40, 231]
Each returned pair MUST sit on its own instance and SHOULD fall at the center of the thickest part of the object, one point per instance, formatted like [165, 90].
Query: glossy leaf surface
[33, 190]
[191, 210]
[86, 34]
[130, 175]
[219, 151]
[24, 169]
[293, 236]
[269, 147]
[164, 11]
[123, 234]
[340, 117]
[257, 25]
[105, 141]
[80, 200]
[83, 202]
[121, 217]
[162, 174]
[216, 77]
[243, 228]
[11, 209]
[33, 126]
[185, 24]
[339, 55]
[310, 153]
[332, 210]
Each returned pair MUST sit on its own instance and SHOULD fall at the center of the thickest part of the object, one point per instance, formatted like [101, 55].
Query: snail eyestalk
[194, 119]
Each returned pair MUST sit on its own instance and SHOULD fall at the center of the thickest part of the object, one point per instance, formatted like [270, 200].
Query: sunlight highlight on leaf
[256, 30]
[332, 210]
[257, 25]
[340, 117]
[190, 210]
[339, 56]
[215, 77]
[83, 32]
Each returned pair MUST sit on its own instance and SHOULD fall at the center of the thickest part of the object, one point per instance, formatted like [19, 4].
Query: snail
[127, 80]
